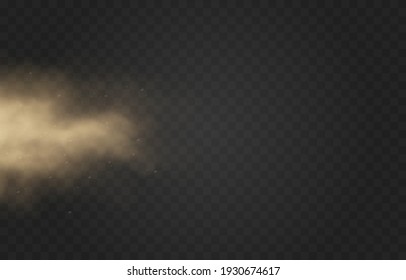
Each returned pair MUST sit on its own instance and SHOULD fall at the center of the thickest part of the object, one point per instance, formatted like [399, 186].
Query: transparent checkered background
[277, 130]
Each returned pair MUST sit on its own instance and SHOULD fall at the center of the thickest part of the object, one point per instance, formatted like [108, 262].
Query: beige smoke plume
[40, 137]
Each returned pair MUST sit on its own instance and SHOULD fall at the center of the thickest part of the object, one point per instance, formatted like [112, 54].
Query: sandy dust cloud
[40, 136]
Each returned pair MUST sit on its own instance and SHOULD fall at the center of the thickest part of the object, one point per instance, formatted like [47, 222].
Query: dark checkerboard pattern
[276, 129]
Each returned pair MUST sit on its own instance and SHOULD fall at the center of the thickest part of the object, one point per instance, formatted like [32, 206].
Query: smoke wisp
[41, 136]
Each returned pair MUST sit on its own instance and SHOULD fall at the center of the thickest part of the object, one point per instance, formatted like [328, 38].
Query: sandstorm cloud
[41, 133]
